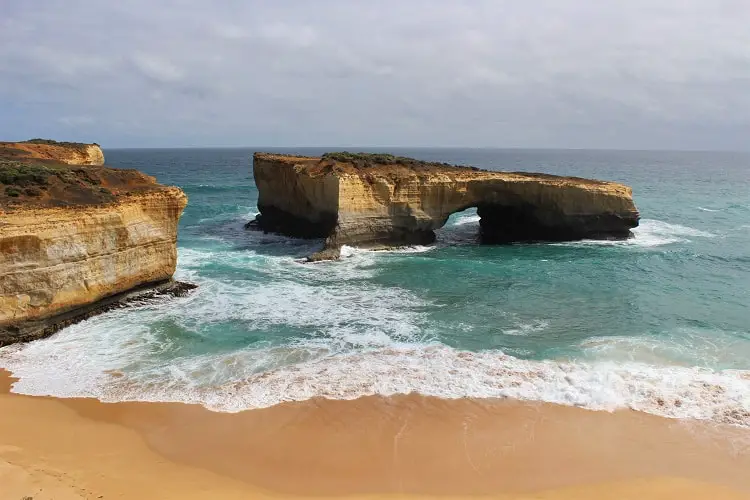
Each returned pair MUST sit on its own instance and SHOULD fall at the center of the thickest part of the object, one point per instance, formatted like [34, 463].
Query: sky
[620, 74]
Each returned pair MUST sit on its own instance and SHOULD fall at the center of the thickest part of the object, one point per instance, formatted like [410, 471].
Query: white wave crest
[675, 392]
[655, 233]
[349, 251]
[523, 329]
[330, 331]
[650, 233]
[467, 219]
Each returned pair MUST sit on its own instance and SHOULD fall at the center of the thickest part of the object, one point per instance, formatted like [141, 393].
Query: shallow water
[658, 323]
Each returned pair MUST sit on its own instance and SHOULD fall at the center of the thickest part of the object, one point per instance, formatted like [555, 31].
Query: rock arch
[382, 201]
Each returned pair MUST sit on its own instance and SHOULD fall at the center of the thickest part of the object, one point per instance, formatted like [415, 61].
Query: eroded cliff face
[406, 208]
[55, 260]
[75, 238]
[385, 201]
[68, 153]
[294, 197]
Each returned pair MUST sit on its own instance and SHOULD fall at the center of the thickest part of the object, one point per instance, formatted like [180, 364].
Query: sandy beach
[371, 447]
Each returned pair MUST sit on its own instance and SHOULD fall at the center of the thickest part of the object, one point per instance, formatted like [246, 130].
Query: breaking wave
[331, 331]
[263, 328]
[257, 378]
[651, 233]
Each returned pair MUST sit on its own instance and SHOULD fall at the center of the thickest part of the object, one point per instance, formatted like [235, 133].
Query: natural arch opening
[499, 224]
[509, 223]
[461, 228]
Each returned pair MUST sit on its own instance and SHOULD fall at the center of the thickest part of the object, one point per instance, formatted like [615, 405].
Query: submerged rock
[333, 253]
[382, 200]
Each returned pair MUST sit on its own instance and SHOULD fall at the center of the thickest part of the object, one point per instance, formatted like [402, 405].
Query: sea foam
[362, 340]
[650, 233]
[297, 331]
[231, 382]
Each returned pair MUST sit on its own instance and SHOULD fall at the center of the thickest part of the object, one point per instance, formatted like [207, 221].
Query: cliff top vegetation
[50, 142]
[25, 182]
[368, 160]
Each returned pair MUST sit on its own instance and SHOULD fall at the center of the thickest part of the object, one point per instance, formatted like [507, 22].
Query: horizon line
[496, 148]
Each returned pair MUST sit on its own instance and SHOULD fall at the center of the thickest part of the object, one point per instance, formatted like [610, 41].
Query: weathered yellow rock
[53, 260]
[291, 189]
[375, 200]
[77, 238]
[80, 154]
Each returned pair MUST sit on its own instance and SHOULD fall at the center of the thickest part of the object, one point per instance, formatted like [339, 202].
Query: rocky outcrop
[70, 153]
[295, 196]
[381, 200]
[81, 242]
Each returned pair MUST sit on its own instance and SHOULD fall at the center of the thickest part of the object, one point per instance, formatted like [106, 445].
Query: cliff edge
[77, 239]
[378, 200]
[70, 153]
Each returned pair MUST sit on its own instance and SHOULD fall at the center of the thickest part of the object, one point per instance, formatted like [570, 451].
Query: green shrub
[361, 160]
[50, 142]
[23, 174]
[379, 158]
[12, 191]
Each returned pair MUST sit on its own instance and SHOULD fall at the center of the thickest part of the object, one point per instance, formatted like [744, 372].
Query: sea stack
[77, 238]
[380, 200]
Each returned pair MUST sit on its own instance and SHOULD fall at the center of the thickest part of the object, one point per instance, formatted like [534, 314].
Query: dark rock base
[27, 331]
[504, 224]
[274, 220]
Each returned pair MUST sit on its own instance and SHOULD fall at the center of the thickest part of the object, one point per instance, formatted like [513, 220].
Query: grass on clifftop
[21, 180]
[21, 174]
[39, 182]
[364, 160]
[379, 158]
[50, 142]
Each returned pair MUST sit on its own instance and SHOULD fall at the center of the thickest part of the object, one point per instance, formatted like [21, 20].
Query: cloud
[75, 121]
[157, 69]
[289, 35]
[501, 73]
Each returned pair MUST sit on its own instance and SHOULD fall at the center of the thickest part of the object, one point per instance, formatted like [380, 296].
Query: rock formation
[76, 240]
[70, 153]
[382, 200]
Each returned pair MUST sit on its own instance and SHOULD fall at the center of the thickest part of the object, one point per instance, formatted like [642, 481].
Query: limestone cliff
[295, 197]
[74, 238]
[381, 200]
[70, 153]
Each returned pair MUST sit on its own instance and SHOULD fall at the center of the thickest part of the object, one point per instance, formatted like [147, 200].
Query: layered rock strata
[75, 241]
[382, 200]
[59, 152]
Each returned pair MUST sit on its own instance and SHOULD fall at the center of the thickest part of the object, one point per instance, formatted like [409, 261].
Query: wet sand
[367, 448]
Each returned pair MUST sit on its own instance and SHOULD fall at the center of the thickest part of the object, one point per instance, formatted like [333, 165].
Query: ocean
[659, 323]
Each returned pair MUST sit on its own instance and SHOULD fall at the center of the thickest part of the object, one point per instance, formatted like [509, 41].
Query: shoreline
[369, 447]
[36, 329]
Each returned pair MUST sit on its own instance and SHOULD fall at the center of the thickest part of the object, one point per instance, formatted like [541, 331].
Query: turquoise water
[658, 323]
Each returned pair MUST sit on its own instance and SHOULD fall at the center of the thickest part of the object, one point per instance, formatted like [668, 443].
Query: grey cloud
[157, 69]
[502, 73]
